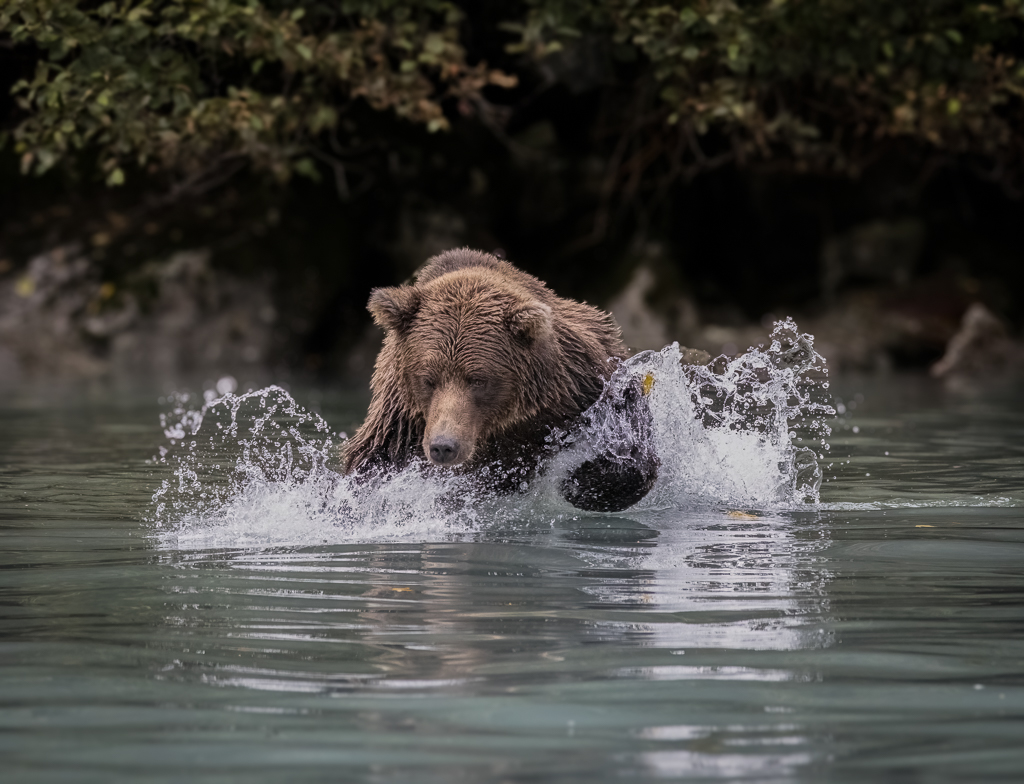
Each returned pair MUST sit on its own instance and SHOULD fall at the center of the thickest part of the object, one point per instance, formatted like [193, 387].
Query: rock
[114, 321]
[172, 316]
[10, 368]
[875, 329]
[981, 346]
[729, 341]
[197, 318]
[693, 356]
[652, 310]
[876, 252]
[642, 328]
[40, 310]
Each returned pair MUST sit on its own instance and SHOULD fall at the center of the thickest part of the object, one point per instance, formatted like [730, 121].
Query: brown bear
[481, 364]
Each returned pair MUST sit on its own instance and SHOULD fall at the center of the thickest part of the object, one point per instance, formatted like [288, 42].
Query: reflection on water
[447, 613]
[525, 636]
[867, 638]
[758, 578]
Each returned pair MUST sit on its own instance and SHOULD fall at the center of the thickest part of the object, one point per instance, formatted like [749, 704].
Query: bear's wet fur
[480, 361]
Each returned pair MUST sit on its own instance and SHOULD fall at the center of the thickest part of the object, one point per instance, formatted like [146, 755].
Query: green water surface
[879, 638]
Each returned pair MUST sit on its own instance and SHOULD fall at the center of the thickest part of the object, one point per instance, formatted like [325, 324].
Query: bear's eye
[477, 383]
[429, 383]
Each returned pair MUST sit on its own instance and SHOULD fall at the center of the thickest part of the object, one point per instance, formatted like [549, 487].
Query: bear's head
[468, 352]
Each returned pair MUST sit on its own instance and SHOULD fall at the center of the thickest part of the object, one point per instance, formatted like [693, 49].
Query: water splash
[746, 432]
[257, 468]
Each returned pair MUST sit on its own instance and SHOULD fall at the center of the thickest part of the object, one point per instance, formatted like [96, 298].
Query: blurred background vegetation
[195, 184]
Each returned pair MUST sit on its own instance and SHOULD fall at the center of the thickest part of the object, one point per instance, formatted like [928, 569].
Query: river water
[257, 634]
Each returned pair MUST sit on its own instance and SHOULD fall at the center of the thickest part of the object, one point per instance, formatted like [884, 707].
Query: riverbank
[184, 315]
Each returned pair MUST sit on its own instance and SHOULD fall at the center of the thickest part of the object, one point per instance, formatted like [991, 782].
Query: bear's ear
[394, 308]
[530, 321]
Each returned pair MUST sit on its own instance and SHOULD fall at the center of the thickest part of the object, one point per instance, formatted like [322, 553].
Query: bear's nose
[443, 450]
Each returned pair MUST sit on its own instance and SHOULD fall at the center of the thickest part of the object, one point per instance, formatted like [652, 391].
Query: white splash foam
[257, 469]
[749, 436]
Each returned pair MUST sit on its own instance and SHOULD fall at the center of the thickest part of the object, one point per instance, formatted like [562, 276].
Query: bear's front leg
[613, 481]
[608, 485]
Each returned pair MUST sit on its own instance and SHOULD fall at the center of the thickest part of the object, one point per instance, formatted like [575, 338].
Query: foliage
[823, 81]
[182, 84]
[186, 85]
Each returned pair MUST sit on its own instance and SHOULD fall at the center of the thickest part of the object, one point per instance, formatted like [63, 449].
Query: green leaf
[306, 168]
[115, 177]
[688, 17]
[434, 44]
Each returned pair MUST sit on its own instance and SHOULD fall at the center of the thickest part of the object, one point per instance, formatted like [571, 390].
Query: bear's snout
[452, 426]
[444, 450]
